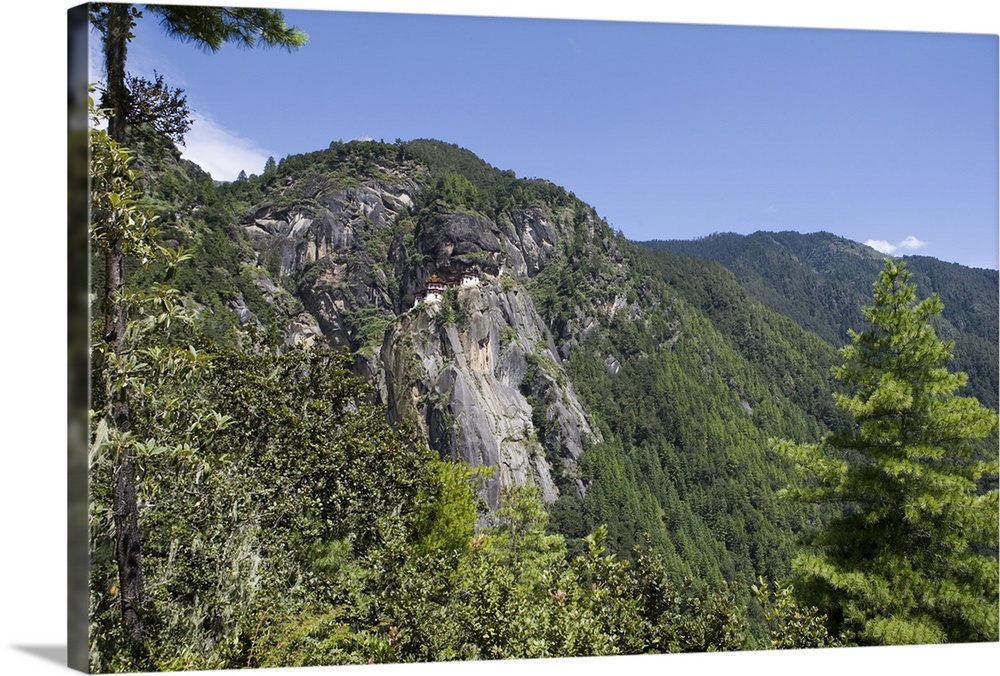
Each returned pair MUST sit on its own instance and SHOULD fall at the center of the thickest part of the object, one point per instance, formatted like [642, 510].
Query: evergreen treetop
[913, 558]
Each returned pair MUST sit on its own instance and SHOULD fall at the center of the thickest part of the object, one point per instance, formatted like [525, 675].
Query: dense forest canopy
[822, 282]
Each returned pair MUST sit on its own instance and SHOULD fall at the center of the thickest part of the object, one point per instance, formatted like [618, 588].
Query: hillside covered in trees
[583, 439]
[385, 402]
[822, 281]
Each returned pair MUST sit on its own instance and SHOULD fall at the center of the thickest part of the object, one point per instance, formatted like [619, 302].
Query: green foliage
[370, 325]
[685, 412]
[340, 164]
[464, 180]
[513, 594]
[518, 530]
[821, 282]
[791, 626]
[795, 363]
[211, 27]
[913, 558]
[456, 191]
[286, 523]
[446, 517]
[147, 418]
[449, 312]
[116, 220]
[156, 110]
[290, 480]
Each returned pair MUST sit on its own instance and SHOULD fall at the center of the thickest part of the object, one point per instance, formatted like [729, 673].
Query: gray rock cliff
[477, 371]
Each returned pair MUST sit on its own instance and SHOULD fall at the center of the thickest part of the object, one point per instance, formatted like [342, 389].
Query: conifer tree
[912, 558]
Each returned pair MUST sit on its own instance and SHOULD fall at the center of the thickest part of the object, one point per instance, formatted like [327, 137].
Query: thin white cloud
[219, 151]
[881, 245]
[911, 243]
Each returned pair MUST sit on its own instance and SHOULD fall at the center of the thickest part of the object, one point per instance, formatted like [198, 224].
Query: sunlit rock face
[433, 301]
[472, 385]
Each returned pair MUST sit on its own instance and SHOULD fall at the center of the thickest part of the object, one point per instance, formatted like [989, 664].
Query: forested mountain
[604, 412]
[515, 372]
[822, 281]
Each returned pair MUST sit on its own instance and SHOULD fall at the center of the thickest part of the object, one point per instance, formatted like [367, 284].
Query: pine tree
[270, 167]
[913, 556]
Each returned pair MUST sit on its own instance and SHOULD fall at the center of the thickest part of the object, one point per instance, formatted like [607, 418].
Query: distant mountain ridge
[821, 281]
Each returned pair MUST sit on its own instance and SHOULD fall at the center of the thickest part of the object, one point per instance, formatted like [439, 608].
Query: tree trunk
[116, 36]
[127, 547]
[124, 504]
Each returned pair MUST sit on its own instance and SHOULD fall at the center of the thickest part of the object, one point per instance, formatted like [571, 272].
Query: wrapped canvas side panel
[77, 357]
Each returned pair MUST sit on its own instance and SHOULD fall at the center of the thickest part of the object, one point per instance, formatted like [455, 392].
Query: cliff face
[476, 370]
[329, 244]
[476, 378]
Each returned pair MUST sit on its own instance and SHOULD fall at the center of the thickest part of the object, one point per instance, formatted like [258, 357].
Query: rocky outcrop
[465, 384]
[477, 372]
[457, 240]
[333, 248]
[532, 241]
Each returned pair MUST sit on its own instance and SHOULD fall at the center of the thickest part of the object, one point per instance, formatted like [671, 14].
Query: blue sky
[669, 130]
